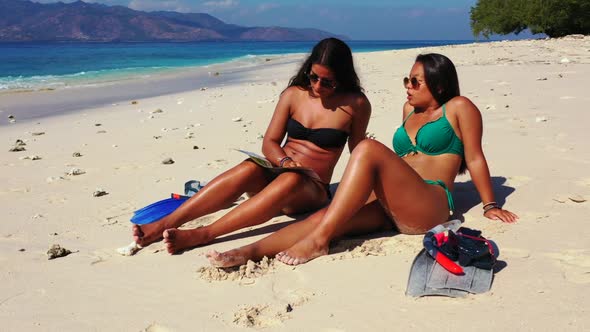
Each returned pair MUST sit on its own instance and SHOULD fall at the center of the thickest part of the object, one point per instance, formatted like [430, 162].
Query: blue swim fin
[158, 210]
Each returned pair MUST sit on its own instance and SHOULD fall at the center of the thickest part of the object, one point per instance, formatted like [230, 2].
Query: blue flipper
[157, 210]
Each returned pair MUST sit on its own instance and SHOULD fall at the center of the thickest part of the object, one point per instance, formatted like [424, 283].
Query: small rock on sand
[168, 161]
[99, 192]
[33, 157]
[17, 149]
[541, 119]
[57, 251]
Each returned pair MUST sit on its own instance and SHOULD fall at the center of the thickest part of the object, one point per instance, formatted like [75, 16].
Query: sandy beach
[530, 93]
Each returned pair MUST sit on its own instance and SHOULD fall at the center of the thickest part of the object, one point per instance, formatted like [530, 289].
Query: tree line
[555, 18]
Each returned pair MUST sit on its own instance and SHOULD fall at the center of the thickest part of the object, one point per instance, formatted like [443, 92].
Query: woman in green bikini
[407, 189]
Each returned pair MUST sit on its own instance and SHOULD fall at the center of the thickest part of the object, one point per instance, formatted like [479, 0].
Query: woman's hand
[500, 214]
[291, 163]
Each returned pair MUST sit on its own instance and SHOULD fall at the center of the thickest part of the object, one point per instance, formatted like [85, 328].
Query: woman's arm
[277, 128]
[471, 127]
[360, 121]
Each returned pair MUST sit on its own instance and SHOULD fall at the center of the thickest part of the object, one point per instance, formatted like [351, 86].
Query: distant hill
[22, 21]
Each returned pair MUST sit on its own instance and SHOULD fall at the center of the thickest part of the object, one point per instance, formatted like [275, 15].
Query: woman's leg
[414, 204]
[289, 191]
[369, 218]
[216, 195]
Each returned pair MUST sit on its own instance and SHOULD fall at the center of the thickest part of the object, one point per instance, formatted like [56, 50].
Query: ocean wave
[83, 78]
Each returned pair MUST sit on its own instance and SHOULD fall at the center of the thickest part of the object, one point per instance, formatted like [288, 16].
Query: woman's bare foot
[177, 240]
[226, 259]
[302, 252]
[145, 235]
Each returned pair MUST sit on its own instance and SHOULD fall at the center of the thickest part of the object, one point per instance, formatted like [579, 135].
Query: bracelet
[283, 160]
[491, 207]
[488, 204]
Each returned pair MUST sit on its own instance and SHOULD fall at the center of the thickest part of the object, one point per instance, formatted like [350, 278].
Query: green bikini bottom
[449, 196]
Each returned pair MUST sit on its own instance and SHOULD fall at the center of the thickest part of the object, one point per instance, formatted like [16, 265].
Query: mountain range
[26, 21]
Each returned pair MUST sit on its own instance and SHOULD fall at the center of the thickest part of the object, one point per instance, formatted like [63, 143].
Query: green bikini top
[433, 138]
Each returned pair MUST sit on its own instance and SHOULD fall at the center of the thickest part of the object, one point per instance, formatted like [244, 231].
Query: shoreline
[30, 105]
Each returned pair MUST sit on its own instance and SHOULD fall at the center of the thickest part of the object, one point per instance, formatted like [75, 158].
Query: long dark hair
[440, 75]
[336, 55]
[442, 81]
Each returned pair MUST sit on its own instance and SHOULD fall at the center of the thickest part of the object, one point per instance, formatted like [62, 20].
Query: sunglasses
[324, 82]
[413, 81]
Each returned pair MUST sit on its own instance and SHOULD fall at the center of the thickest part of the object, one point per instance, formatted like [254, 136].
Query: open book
[260, 160]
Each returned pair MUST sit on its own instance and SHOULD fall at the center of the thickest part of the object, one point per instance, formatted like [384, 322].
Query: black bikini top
[322, 137]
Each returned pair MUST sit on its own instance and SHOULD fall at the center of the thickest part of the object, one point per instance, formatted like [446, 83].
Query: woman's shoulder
[360, 100]
[355, 100]
[462, 109]
[459, 102]
[293, 92]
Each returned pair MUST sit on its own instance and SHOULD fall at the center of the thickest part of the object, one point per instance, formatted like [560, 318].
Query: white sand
[535, 109]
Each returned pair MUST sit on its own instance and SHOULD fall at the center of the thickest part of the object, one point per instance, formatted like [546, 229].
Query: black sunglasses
[324, 82]
[413, 81]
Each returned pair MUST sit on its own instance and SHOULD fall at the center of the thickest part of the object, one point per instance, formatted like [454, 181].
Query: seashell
[130, 249]
[76, 154]
[237, 119]
[54, 178]
[75, 171]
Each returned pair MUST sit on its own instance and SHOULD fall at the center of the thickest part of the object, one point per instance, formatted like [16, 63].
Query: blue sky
[357, 19]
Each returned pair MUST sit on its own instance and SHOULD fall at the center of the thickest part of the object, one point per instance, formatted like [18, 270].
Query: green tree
[555, 18]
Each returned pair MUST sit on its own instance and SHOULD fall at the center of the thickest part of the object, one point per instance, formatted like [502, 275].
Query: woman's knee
[247, 169]
[290, 180]
[368, 149]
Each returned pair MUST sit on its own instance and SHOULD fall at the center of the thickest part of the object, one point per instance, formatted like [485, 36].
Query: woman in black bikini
[408, 188]
[322, 107]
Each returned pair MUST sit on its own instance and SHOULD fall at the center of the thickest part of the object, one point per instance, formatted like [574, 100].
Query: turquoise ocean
[25, 66]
